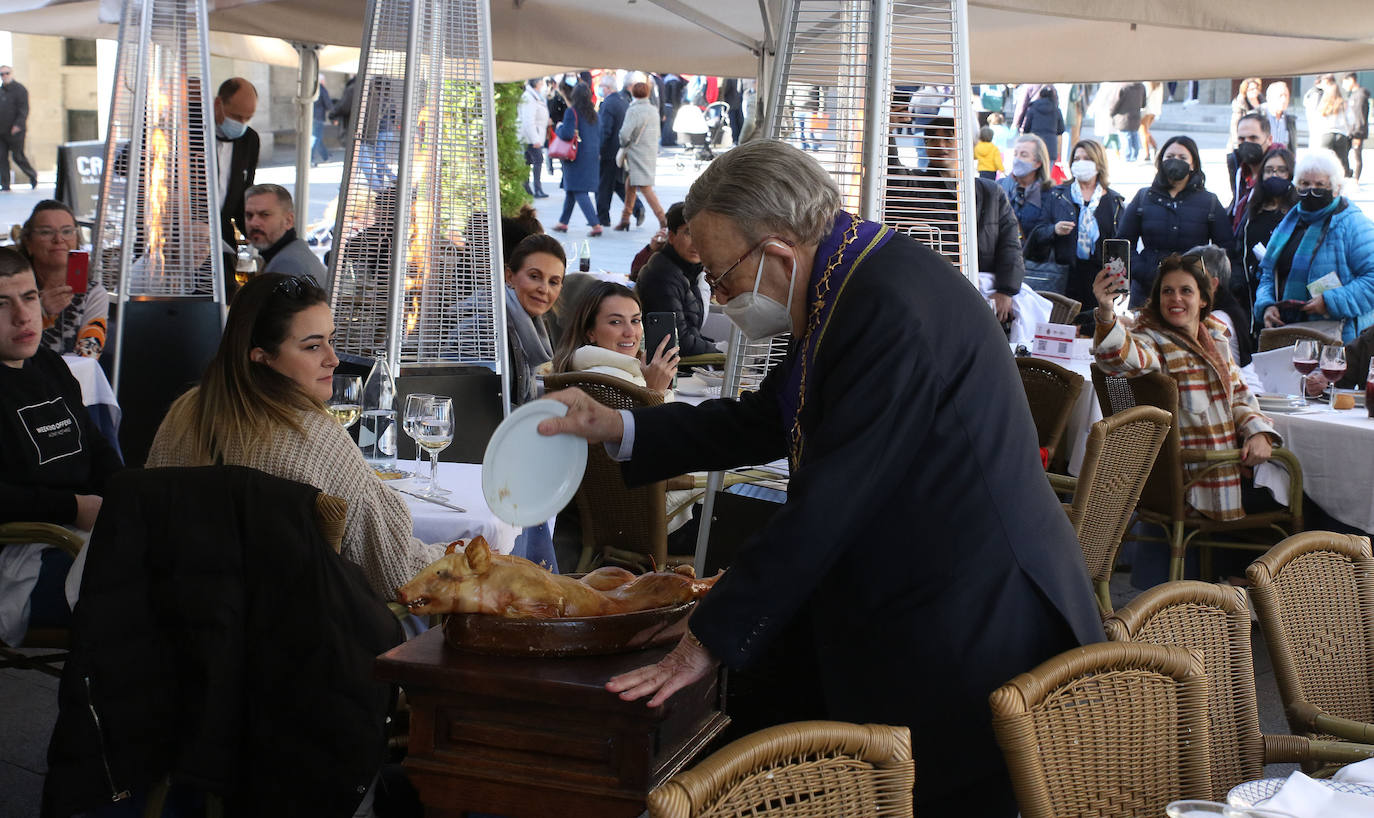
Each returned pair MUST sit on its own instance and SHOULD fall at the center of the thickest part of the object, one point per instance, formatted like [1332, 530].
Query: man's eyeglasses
[48, 233]
[294, 287]
[714, 282]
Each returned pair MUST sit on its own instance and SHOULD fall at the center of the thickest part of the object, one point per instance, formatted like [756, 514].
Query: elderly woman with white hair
[1324, 235]
[919, 532]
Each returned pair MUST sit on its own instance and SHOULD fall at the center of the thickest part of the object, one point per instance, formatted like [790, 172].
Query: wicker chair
[48, 639]
[331, 513]
[1215, 619]
[1164, 500]
[1121, 452]
[1051, 391]
[1065, 310]
[806, 769]
[1315, 596]
[1089, 733]
[1279, 337]
[619, 523]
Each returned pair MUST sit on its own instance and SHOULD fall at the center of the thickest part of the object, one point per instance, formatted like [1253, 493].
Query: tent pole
[873, 170]
[307, 89]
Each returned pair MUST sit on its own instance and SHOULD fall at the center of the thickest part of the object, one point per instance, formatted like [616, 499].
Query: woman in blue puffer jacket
[1174, 213]
[1324, 234]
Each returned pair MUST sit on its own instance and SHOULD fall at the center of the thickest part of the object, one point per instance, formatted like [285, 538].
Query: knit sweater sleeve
[377, 535]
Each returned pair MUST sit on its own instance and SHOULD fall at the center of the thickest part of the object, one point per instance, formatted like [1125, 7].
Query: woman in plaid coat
[1176, 335]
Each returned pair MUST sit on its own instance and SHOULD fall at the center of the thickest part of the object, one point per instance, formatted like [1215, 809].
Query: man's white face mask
[757, 315]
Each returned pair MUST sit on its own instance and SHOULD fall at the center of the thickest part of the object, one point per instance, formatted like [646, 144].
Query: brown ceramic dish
[582, 636]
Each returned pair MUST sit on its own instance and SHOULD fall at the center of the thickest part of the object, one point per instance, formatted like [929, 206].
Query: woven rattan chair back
[613, 515]
[1109, 729]
[1314, 593]
[1051, 391]
[1163, 491]
[806, 769]
[1118, 459]
[1065, 309]
[1215, 620]
[1280, 337]
[331, 516]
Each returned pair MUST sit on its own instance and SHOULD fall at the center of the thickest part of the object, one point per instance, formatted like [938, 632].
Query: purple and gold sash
[838, 256]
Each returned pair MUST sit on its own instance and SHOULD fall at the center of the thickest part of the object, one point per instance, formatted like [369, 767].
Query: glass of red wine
[1333, 366]
[1305, 351]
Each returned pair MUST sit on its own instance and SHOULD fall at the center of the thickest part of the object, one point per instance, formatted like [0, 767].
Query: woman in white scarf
[605, 334]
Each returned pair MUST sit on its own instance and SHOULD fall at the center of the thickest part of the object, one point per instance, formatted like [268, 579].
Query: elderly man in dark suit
[236, 150]
[921, 559]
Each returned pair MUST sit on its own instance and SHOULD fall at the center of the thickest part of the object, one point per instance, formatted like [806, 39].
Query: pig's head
[451, 584]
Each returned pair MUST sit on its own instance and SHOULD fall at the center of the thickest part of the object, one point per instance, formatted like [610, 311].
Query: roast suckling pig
[477, 580]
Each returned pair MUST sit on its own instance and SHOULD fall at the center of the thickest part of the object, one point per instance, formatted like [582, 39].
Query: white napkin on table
[1359, 773]
[1302, 797]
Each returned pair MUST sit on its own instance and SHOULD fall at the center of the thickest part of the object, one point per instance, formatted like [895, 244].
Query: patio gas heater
[417, 271]
[157, 227]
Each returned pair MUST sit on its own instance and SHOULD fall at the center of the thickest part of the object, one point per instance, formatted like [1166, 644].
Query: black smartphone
[657, 326]
[1116, 256]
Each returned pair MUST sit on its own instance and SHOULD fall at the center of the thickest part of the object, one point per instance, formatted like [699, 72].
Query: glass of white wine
[415, 409]
[346, 402]
[434, 433]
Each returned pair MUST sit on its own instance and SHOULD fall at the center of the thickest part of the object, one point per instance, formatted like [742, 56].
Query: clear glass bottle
[377, 431]
[584, 259]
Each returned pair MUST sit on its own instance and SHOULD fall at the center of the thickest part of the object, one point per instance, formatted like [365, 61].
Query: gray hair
[1323, 161]
[765, 186]
[282, 194]
[1215, 261]
[1042, 153]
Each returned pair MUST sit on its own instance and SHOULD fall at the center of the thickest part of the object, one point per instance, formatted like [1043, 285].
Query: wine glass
[1333, 366]
[434, 433]
[346, 402]
[1305, 351]
[415, 409]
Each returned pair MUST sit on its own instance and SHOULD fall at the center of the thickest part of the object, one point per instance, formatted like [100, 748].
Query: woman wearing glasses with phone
[261, 404]
[74, 310]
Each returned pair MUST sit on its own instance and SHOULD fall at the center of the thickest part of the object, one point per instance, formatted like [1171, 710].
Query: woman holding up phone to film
[73, 316]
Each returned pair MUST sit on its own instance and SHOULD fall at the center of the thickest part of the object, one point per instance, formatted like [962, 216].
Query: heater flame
[158, 151]
[421, 218]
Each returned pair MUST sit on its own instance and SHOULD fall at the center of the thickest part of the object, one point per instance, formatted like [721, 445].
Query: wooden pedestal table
[534, 737]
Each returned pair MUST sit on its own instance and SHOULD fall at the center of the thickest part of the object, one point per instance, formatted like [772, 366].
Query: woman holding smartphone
[73, 321]
[605, 335]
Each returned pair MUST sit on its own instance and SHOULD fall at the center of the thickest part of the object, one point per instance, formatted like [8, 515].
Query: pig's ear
[478, 554]
[451, 546]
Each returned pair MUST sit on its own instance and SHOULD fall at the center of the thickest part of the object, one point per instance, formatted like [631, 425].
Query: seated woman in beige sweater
[261, 405]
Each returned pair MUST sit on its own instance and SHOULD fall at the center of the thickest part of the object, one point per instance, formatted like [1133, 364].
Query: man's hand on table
[689, 662]
[585, 418]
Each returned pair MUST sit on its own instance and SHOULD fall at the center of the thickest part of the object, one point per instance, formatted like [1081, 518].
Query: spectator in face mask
[1174, 213]
[1084, 211]
[1270, 202]
[1324, 234]
[1243, 163]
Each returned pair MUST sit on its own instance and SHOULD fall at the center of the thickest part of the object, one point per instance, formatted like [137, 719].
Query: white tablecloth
[95, 387]
[435, 523]
[1086, 412]
[1336, 449]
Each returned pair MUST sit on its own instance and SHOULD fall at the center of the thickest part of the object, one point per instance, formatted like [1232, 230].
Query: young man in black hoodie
[53, 461]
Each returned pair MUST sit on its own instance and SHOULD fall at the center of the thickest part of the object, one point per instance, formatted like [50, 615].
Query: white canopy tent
[1110, 39]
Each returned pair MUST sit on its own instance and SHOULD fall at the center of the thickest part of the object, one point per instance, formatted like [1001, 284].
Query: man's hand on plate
[585, 418]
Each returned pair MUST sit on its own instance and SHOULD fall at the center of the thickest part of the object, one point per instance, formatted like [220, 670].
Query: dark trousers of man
[13, 144]
[612, 184]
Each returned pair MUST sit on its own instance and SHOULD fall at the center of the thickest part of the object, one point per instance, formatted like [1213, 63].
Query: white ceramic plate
[710, 377]
[528, 477]
[692, 387]
[1255, 793]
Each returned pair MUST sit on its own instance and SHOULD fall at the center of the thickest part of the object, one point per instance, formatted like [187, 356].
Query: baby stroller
[698, 131]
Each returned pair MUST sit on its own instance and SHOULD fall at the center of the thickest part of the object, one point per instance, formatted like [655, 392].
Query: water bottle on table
[377, 434]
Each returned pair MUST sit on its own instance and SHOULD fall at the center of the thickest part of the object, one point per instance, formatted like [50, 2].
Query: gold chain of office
[813, 322]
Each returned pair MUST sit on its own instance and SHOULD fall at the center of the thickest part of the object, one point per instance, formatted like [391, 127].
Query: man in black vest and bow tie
[236, 151]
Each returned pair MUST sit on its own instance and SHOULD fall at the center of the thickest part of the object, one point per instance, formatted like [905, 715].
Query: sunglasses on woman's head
[294, 287]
